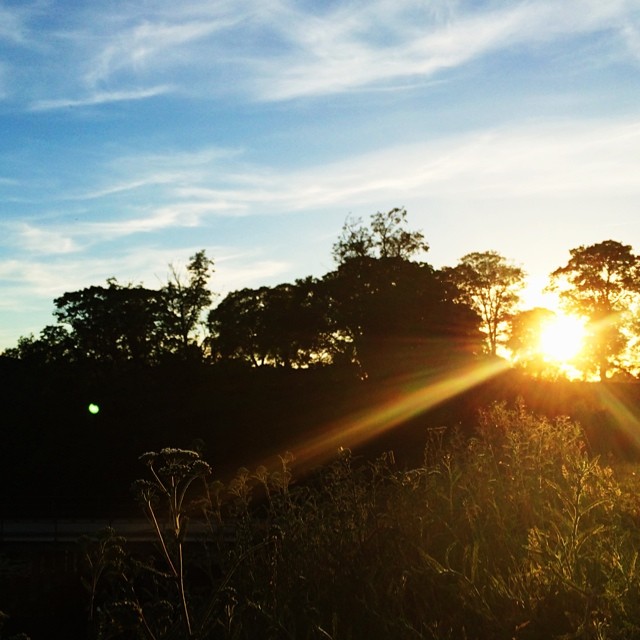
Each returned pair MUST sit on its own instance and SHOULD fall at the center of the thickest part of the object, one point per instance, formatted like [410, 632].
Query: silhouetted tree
[111, 324]
[53, 344]
[235, 328]
[601, 282]
[491, 285]
[287, 325]
[184, 301]
[385, 237]
[397, 316]
[125, 323]
[391, 311]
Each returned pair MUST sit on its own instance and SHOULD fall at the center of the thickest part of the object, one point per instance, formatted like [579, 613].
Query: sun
[562, 338]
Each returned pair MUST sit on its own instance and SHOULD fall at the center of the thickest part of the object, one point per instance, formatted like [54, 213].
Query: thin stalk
[183, 595]
[165, 551]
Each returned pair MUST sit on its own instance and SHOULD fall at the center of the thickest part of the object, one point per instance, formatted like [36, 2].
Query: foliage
[103, 560]
[121, 325]
[391, 313]
[54, 344]
[380, 312]
[397, 315]
[288, 325]
[515, 533]
[491, 285]
[110, 324]
[385, 237]
[601, 282]
[183, 304]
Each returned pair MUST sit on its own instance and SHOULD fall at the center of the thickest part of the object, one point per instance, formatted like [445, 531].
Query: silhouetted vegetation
[494, 531]
[514, 530]
[266, 368]
[602, 282]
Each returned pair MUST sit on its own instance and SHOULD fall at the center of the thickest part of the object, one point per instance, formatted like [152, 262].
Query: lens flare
[624, 412]
[356, 429]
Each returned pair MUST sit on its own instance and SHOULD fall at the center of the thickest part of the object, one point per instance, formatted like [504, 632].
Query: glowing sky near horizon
[135, 134]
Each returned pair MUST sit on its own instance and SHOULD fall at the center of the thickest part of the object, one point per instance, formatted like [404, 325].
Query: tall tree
[601, 282]
[394, 312]
[185, 298]
[111, 324]
[491, 285]
[287, 325]
[384, 237]
[397, 315]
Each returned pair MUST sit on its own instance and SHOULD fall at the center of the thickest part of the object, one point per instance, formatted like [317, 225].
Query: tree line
[382, 310]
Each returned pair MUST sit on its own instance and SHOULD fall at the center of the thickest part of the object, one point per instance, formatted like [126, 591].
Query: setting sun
[562, 338]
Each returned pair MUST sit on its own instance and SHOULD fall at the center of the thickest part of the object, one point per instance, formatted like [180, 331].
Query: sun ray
[626, 416]
[356, 429]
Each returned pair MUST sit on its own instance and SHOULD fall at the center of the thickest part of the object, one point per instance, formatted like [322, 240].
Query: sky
[135, 133]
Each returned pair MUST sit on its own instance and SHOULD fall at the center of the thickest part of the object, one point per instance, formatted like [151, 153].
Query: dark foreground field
[518, 531]
[59, 460]
[507, 509]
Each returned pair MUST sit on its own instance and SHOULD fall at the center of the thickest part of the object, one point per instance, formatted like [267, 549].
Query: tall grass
[515, 533]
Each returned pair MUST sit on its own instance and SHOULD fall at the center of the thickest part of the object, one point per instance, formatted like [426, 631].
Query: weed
[515, 533]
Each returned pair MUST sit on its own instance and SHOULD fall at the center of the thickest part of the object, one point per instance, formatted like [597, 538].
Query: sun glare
[561, 339]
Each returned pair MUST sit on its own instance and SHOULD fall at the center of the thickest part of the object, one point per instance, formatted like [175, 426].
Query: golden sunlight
[562, 338]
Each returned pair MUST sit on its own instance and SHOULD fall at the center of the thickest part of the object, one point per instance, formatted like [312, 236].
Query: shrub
[515, 533]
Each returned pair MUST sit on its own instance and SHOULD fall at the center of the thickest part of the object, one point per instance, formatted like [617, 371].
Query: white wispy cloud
[375, 42]
[126, 186]
[95, 54]
[80, 236]
[158, 220]
[45, 277]
[286, 49]
[564, 160]
[163, 174]
[24, 281]
[631, 35]
[143, 47]
[12, 24]
[101, 97]
[45, 241]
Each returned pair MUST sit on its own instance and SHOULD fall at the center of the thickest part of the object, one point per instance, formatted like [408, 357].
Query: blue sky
[134, 133]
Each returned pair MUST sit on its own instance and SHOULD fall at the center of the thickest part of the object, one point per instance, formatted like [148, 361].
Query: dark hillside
[58, 457]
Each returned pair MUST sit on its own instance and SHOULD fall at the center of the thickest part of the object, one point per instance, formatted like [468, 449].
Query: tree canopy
[395, 313]
[601, 282]
[184, 301]
[121, 325]
[382, 310]
[386, 236]
[491, 285]
[285, 326]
